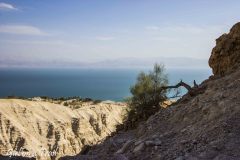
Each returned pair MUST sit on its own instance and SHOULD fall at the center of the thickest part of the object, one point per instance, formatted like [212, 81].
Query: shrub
[148, 93]
[87, 100]
[65, 103]
[97, 101]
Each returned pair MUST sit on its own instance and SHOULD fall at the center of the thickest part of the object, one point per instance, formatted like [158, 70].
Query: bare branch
[180, 84]
[195, 84]
[196, 89]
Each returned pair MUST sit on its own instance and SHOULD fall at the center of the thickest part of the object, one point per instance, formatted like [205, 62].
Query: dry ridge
[35, 126]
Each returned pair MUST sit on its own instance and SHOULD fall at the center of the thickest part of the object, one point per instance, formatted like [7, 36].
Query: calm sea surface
[104, 84]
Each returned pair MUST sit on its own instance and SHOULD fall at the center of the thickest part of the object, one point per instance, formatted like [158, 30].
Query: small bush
[65, 104]
[87, 100]
[97, 101]
[44, 97]
[76, 107]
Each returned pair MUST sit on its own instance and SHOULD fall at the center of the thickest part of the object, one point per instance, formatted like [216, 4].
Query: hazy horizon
[121, 63]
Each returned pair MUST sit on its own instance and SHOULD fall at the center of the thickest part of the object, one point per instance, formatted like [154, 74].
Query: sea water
[103, 84]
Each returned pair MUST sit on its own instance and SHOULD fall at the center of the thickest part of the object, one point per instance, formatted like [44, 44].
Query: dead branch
[191, 90]
[180, 84]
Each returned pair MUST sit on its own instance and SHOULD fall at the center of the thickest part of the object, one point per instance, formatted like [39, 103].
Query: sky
[92, 30]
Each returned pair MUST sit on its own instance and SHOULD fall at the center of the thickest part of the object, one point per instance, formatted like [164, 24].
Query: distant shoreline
[47, 98]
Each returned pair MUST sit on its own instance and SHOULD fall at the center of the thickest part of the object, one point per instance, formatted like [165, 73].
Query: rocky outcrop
[225, 57]
[47, 131]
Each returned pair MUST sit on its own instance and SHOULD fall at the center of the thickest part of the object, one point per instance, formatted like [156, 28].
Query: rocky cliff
[225, 56]
[205, 126]
[48, 131]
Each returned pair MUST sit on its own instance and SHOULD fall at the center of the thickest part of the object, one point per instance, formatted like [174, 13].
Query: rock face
[225, 57]
[33, 127]
[201, 127]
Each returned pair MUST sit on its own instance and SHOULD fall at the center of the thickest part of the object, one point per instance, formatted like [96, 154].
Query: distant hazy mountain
[176, 62]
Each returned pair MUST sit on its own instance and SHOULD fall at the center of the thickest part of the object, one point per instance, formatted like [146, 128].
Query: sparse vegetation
[97, 101]
[65, 104]
[148, 93]
[87, 100]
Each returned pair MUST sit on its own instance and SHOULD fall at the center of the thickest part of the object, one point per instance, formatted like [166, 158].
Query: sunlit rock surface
[36, 126]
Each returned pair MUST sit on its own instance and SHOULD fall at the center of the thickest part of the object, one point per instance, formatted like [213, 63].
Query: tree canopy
[148, 92]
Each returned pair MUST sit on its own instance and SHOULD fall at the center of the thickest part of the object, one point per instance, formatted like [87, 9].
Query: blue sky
[87, 31]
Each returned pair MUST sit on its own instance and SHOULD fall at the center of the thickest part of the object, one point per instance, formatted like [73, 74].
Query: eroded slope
[36, 126]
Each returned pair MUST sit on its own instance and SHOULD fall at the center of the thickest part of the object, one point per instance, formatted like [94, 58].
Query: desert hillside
[203, 126]
[33, 127]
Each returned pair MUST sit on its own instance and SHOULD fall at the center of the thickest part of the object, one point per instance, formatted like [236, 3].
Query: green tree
[148, 93]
